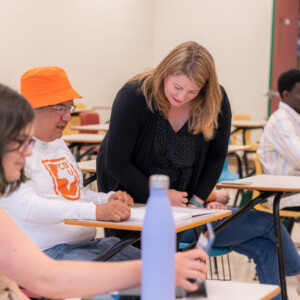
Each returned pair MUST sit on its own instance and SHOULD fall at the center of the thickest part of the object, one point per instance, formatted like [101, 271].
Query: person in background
[175, 120]
[24, 263]
[55, 190]
[279, 147]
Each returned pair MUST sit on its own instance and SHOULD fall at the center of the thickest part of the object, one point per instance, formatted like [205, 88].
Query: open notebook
[179, 213]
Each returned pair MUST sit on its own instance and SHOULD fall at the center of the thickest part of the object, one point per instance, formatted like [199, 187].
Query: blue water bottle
[158, 243]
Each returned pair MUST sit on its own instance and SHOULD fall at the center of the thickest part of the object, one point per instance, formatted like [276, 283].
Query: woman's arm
[128, 114]
[24, 263]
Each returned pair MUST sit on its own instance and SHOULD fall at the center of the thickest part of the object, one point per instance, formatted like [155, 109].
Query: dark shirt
[125, 155]
[174, 153]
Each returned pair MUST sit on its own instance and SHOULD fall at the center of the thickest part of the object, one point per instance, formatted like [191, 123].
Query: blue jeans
[89, 250]
[252, 234]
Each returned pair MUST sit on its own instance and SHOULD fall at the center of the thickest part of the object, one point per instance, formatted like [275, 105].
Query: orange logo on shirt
[65, 178]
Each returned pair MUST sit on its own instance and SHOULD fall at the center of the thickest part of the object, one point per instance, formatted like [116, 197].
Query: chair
[226, 174]
[288, 217]
[237, 139]
[89, 118]
[75, 120]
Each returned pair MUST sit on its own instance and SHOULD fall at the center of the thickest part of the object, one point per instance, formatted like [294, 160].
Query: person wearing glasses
[55, 190]
[21, 262]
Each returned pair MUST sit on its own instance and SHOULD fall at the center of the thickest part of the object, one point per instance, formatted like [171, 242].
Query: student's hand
[177, 198]
[215, 205]
[122, 196]
[222, 196]
[190, 264]
[112, 211]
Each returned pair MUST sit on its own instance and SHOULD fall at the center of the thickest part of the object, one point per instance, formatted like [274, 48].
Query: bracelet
[195, 202]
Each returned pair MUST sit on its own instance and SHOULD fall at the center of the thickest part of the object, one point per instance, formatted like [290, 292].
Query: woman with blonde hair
[178, 105]
[176, 120]
[24, 263]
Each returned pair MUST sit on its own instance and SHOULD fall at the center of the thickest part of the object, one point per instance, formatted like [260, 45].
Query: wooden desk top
[230, 290]
[87, 166]
[249, 124]
[181, 225]
[235, 148]
[93, 127]
[272, 183]
[88, 138]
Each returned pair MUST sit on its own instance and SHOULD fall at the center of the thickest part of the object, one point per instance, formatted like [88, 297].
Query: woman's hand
[178, 198]
[190, 264]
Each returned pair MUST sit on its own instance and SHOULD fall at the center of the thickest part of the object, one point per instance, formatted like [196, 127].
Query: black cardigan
[124, 157]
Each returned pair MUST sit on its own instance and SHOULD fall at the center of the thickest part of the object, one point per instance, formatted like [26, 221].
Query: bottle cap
[159, 182]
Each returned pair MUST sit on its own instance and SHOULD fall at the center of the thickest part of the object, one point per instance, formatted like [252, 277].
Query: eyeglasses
[61, 109]
[23, 145]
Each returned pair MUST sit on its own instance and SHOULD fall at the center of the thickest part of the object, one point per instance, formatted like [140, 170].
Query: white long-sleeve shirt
[279, 150]
[54, 192]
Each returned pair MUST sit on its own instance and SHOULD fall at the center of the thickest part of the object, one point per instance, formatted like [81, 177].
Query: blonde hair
[194, 61]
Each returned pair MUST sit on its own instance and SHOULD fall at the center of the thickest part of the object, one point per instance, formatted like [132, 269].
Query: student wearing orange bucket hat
[55, 190]
[47, 86]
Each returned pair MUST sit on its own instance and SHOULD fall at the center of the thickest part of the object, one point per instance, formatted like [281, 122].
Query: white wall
[236, 32]
[102, 43]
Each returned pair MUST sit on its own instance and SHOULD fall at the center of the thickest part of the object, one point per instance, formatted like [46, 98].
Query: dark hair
[287, 80]
[15, 114]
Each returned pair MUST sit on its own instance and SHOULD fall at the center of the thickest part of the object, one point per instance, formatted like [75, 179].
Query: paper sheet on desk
[179, 213]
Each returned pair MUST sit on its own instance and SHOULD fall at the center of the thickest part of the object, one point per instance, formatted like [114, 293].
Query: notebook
[179, 213]
[193, 211]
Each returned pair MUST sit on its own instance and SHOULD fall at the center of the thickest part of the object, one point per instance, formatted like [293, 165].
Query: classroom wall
[102, 43]
[238, 35]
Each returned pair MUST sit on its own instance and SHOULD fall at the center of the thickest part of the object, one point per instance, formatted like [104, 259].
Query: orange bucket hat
[47, 86]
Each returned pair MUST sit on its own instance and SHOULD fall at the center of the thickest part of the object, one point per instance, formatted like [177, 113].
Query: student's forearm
[24, 263]
[79, 279]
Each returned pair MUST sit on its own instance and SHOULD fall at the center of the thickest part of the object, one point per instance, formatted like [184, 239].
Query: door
[284, 45]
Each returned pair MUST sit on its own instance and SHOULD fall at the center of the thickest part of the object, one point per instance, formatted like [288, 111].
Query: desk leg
[89, 180]
[77, 155]
[279, 249]
[243, 210]
[129, 240]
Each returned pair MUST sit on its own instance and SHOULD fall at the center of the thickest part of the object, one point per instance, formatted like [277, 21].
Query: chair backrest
[80, 105]
[89, 118]
[257, 163]
[259, 170]
[236, 138]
